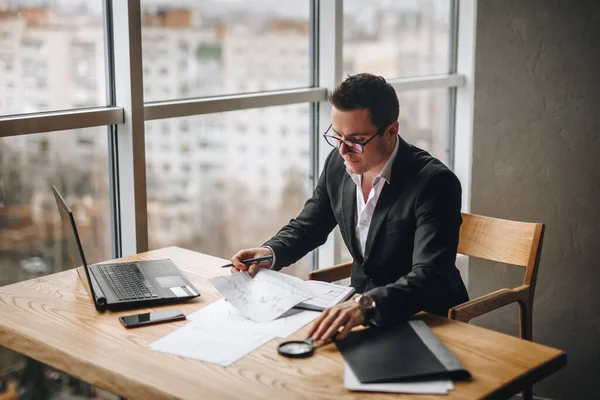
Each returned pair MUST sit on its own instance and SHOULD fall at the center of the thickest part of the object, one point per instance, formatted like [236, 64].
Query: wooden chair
[510, 242]
[504, 241]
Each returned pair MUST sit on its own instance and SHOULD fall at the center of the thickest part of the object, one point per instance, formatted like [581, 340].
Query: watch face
[366, 302]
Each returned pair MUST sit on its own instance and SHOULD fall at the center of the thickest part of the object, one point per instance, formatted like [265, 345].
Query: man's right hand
[246, 254]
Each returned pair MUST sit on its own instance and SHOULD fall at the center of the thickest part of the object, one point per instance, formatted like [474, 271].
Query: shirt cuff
[274, 258]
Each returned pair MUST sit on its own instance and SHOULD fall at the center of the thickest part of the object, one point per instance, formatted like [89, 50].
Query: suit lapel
[349, 213]
[389, 194]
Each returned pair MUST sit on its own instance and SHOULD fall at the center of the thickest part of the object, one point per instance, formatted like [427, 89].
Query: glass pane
[424, 120]
[423, 123]
[31, 240]
[218, 183]
[396, 38]
[207, 48]
[51, 56]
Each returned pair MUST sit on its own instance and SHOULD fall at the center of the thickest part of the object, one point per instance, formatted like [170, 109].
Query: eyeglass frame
[350, 148]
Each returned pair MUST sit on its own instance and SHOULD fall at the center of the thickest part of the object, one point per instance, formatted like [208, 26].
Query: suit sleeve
[425, 287]
[309, 229]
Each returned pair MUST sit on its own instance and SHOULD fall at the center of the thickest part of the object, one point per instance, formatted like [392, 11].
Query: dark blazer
[410, 254]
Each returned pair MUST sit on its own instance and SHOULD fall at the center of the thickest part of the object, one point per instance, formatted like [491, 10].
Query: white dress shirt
[364, 210]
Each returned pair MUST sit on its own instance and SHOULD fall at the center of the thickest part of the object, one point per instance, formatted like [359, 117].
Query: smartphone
[151, 318]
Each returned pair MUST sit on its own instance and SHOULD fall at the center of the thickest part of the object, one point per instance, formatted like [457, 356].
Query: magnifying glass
[298, 348]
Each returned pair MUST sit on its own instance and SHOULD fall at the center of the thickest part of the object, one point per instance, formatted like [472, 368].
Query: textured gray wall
[536, 158]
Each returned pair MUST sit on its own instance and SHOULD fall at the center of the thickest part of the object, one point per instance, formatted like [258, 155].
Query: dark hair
[367, 91]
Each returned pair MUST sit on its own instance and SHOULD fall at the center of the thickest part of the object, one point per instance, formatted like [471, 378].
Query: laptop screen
[70, 233]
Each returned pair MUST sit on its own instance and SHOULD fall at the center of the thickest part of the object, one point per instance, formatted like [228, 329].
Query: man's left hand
[337, 321]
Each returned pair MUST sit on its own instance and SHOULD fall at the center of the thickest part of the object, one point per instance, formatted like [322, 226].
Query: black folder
[403, 352]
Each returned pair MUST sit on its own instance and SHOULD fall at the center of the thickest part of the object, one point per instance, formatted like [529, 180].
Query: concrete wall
[536, 158]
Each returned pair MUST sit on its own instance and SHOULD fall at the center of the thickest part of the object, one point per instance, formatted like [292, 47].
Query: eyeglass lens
[336, 142]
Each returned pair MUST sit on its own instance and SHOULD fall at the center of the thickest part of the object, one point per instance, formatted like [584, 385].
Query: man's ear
[394, 128]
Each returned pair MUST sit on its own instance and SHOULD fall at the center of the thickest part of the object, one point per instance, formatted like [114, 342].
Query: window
[396, 39]
[226, 51]
[423, 120]
[236, 225]
[184, 127]
[49, 49]
[31, 242]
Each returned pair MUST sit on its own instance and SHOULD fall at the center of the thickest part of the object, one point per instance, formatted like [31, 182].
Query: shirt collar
[386, 171]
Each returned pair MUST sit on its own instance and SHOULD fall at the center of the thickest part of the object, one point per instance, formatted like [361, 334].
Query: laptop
[128, 284]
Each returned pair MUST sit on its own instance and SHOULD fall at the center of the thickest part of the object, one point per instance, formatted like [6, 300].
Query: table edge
[529, 377]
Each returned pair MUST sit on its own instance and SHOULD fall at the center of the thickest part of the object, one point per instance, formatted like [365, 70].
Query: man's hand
[344, 316]
[246, 254]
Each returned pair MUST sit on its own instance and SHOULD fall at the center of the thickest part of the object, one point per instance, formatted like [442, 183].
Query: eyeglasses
[352, 146]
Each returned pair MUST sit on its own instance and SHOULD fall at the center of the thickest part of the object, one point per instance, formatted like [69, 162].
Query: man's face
[356, 126]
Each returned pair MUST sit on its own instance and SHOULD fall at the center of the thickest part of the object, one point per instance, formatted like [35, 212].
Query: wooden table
[52, 319]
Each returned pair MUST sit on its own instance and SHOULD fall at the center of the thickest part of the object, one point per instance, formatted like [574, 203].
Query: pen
[251, 261]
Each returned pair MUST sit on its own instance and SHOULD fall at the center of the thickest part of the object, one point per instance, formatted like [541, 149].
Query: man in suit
[398, 209]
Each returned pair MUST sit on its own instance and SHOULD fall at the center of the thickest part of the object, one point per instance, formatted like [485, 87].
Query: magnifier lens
[295, 349]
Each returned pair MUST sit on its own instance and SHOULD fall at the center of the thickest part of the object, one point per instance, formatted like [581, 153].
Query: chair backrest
[501, 240]
[505, 241]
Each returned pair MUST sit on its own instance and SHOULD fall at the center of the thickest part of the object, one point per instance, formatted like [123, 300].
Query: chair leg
[526, 331]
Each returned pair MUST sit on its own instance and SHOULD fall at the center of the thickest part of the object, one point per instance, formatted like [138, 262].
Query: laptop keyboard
[127, 281]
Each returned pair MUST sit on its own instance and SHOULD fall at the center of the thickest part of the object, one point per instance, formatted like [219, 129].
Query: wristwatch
[367, 306]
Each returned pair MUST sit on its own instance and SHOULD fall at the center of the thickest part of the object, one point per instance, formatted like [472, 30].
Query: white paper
[210, 343]
[223, 315]
[351, 382]
[263, 298]
[326, 294]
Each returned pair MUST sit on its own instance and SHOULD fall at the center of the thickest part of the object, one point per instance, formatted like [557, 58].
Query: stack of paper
[326, 295]
[351, 382]
[222, 313]
[220, 334]
[257, 310]
[266, 296]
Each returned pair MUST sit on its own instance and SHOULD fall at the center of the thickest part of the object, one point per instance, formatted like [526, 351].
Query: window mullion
[130, 144]
[330, 41]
